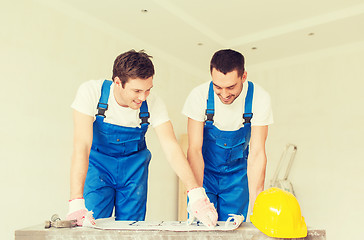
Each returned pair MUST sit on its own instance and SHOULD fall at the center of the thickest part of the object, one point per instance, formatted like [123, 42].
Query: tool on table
[58, 223]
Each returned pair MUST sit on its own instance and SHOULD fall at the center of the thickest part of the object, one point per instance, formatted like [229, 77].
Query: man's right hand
[200, 207]
[78, 211]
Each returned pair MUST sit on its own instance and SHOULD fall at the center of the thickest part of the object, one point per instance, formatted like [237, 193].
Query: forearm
[79, 167]
[179, 164]
[197, 165]
[82, 140]
[175, 155]
[76, 209]
[256, 174]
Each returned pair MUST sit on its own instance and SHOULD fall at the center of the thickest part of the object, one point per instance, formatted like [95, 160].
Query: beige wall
[47, 54]
[318, 105]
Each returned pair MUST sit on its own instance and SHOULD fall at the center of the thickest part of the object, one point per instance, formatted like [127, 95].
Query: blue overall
[225, 154]
[118, 166]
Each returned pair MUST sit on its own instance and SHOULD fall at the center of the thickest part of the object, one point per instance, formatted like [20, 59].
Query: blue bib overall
[118, 166]
[225, 154]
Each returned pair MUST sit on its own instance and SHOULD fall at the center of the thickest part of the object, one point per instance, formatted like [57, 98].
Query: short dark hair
[228, 60]
[132, 64]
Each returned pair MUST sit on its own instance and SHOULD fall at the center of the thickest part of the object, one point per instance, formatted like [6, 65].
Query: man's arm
[199, 205]
[257, 161]
[82, 140]
[175, 155]
[194, 152]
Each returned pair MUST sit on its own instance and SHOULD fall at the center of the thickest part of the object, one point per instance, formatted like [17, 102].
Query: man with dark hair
[110, 160]
[228, 120]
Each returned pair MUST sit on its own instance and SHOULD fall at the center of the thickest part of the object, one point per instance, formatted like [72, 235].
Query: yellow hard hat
[277, 214]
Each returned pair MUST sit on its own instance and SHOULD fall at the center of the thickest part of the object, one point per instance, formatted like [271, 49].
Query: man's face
[229, 86]
[134, 92]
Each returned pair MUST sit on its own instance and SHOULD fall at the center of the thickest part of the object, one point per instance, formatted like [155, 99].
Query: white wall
[318, 105]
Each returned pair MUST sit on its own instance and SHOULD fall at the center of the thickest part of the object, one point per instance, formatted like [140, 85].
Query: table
[246, 231]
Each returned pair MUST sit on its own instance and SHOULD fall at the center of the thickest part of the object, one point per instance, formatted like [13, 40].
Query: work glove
[78, 211]
[200, 207]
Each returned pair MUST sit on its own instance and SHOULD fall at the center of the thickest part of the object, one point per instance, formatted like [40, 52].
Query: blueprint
[177, 226]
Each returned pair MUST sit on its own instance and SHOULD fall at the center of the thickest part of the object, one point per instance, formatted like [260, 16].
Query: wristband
[196, 194]
[76, 205]
[74, 199]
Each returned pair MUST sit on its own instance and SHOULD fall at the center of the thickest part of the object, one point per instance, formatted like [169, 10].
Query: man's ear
[245, 75]
[117, 81]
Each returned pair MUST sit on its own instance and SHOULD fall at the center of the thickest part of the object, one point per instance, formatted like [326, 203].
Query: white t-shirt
[228, 117]
[88, 96]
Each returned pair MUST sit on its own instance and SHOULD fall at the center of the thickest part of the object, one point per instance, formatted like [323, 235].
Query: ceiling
[188, 32]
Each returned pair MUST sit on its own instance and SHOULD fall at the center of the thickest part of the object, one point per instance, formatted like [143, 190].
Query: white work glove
[200, 207]
[78, 211]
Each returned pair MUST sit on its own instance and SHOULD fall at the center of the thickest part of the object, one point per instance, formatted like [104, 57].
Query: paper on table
[177, 226]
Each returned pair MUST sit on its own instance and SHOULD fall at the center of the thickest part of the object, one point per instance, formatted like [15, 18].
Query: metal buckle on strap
[102, 109]
[209, 115]
[144, 117]
[247, 117]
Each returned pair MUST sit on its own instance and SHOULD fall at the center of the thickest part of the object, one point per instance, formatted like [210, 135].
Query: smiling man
[228, 120]
[110, 160]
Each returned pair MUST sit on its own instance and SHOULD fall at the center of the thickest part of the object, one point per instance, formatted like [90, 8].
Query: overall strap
[210, 109]
[102, 106]
[144, 115]
[248, 114]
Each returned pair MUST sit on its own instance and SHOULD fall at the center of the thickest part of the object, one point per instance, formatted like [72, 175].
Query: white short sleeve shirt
[229, 117]
[88, 96]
